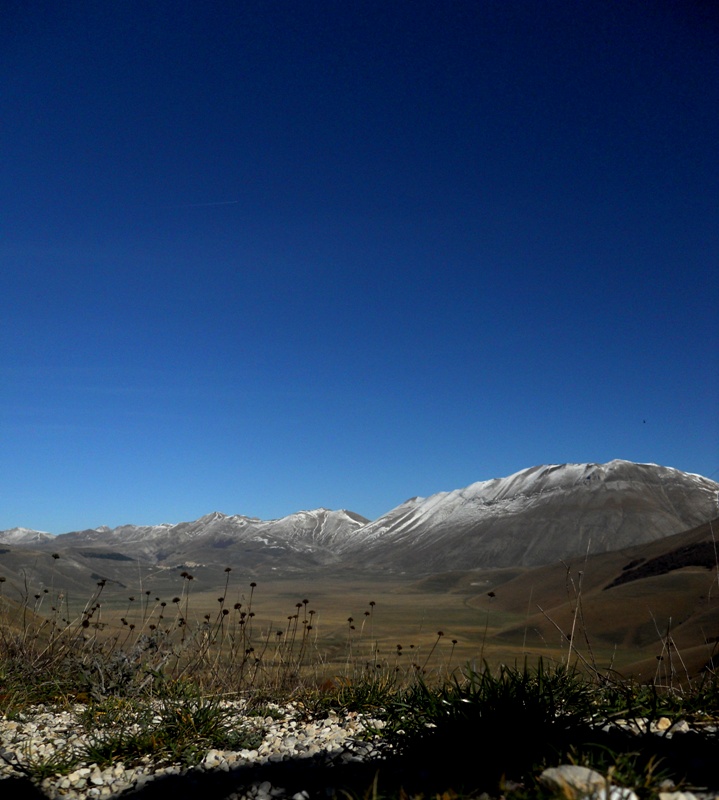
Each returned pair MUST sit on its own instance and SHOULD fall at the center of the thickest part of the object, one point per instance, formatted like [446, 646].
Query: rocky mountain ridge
[535, 516]
[538, 516]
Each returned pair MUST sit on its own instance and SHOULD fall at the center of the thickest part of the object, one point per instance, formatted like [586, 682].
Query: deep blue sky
[259, 257]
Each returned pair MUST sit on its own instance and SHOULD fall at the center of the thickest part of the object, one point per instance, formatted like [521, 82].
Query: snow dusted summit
[536, 516]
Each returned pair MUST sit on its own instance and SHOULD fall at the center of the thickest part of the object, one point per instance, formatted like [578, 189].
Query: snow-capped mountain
[24, 536]
[536, 516]
[305, 533]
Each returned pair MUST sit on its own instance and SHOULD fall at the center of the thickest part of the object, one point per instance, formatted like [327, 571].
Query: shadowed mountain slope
[632, 602]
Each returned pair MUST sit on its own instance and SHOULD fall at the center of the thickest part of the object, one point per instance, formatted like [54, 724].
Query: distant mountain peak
[213, 516]
[24, 536]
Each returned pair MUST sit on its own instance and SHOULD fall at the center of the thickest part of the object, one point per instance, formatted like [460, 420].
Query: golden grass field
[494, 615]
[663, 626]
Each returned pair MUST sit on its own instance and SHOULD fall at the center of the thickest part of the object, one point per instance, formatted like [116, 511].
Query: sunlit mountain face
[536, 516]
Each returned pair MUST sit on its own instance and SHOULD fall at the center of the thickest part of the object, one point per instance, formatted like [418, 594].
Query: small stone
[616, 793]
[578, 780]
[77, 776]
[682, 726]
[662, 724]
[212, 759]
[677, 796]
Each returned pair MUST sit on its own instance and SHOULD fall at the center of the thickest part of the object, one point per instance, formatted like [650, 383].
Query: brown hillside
[671, 596]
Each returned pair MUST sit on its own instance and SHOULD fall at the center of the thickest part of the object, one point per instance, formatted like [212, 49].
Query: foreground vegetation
[154, 679]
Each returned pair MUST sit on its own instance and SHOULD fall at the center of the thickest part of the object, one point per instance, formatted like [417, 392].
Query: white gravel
[41, 734]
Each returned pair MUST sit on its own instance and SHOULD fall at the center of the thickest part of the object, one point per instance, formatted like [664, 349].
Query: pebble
[574, 777]
[581, 783]
[677, 796]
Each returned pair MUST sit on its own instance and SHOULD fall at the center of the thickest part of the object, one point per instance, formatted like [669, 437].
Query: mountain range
[536, 516]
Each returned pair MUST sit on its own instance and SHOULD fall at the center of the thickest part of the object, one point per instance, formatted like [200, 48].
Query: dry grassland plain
[498, 616]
